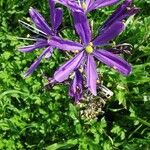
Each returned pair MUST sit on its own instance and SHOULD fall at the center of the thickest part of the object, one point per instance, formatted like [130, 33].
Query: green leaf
[66, 145]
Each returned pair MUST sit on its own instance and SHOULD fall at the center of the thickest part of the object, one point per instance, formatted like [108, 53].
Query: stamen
[81, 70]
[91, 44]
[128, 8]
[76, 51]
[31, 28]
[28, 35]
[98, 81]
[114, 67]
[29, 39]
[78, 89]
[79, 2]
[84, 6]
[28, 19]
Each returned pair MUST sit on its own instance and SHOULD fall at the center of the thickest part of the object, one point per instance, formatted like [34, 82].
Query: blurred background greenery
[34, 118]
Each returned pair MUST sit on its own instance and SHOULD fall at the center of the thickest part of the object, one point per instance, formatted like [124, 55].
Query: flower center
[84, 6]
[89, 48]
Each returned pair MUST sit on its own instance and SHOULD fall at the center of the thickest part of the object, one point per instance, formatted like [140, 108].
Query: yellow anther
[91, 44]
[84, 6]
[28, 19]
[28, 35]
[89, 48]
[76, 51]
[114, 43]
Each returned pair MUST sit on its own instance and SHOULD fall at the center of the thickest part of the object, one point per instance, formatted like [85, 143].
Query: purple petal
[40, 21]
[55, 15]
[71, 4]
[39, 44]
[36, 62]
[113, 61]
[58, 18]
[82, 27]
[124, 11]
[52, 12]
[64, 44]
[76, 86]
[101, 3]
[89, 3]
[91, 74]
[109, 34]
[49, 53]
[63, 72]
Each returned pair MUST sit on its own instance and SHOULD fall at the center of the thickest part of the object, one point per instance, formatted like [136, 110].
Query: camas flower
[84, 6]
[42, 29]
[87, 52]
[123, 11]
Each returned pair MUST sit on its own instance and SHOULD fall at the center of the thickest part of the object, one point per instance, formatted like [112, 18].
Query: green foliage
[34, 118]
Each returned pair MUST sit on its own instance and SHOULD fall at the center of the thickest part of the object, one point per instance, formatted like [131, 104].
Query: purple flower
[123, 11]
[42, 29]
[88, 52]
[84, 6]
[76, 86]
